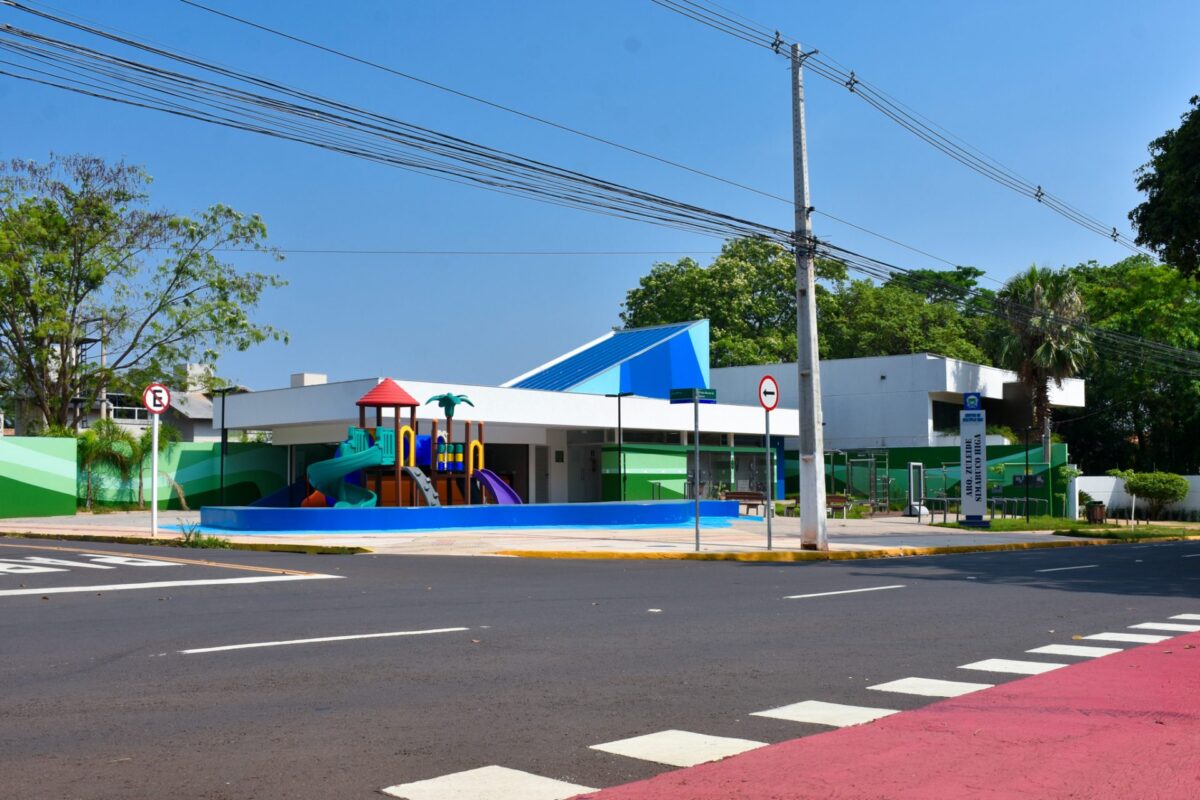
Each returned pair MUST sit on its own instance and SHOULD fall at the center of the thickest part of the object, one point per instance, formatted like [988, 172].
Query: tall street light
[620, 442]
[224, 434]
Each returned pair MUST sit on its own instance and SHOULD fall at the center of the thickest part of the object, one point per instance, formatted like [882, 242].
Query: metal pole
[771, 478]
[620, 450]
[224, 442]
[812, 483]
[696, 475]
[154, 477]
[1027, 429]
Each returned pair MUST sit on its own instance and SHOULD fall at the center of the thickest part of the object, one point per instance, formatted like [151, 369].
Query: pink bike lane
[1123, 727]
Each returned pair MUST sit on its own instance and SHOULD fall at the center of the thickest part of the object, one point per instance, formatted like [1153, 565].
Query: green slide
[326, 476]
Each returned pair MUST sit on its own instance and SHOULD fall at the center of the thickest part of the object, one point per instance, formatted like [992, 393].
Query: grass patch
[1043, 523]
[196, 538]
[1137, 534]
[258, 547]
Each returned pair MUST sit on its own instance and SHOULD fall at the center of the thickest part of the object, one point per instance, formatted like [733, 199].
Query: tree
[1043, 341]
[142, 447]
[748, 294]
[1158, 489]
[104, 445]
[87, 267]
[1139, 414]
[1169, 219]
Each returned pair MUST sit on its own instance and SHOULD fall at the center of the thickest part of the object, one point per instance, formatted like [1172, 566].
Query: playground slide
[327, 478]
[500, 490]
[422, 482]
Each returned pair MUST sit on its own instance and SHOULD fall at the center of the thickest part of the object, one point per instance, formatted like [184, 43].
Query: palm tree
[104, 445]
[141, 448]
[448, 402]
[1045, 340]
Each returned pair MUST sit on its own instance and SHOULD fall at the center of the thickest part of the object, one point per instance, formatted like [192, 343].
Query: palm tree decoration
[448, 402]
[104, 445]
[141, 448]
[1045, 340]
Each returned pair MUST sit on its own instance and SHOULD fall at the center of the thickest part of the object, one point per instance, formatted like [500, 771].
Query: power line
[973, 158]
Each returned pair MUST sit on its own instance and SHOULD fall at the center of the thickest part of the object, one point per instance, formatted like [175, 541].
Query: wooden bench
[748, 499]
[837, 502]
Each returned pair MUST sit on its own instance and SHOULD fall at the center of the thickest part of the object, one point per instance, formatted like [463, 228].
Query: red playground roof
[387, 394]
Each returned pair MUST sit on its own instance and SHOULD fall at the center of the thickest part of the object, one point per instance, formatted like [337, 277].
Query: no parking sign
[157, 399]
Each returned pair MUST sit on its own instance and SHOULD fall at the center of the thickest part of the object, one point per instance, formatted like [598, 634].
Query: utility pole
[812, 439]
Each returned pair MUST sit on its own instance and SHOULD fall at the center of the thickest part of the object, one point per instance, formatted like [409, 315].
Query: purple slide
[500, 490]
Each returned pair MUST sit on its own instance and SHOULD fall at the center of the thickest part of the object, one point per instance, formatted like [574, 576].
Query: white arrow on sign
[768, 393]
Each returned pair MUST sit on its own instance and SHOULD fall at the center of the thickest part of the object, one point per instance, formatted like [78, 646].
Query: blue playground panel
[421, 518]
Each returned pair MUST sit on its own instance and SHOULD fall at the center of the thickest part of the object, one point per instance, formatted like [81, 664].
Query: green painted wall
[251, 471]
[666, 464]
[37, 476]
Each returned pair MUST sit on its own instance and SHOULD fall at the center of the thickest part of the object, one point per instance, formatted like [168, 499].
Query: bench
[748, 499]
[837, 502]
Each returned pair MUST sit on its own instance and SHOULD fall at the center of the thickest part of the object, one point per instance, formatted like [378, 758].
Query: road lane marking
[1186, 616]
[197, 562]
[1080, 650]
[930, 687]
[1136, 638]
[844, 591]
[56, 562]
[1015, 667]
[120, 587]
[821, 713]
[1193, 555]
[678, 748]
[494, 783]
[1166, 626]
[1064, 569]
[317, 640]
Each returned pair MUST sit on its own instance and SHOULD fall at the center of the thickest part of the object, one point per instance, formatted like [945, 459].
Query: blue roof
[600, 357]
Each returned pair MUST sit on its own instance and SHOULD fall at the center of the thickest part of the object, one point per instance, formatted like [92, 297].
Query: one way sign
[768, 393]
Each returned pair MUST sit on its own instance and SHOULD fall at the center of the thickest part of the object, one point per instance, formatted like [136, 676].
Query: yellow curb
[785, 556]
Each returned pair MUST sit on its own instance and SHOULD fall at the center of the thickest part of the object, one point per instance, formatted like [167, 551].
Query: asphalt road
[98, 701]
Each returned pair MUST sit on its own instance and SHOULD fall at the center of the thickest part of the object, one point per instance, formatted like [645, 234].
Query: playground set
[400, 466]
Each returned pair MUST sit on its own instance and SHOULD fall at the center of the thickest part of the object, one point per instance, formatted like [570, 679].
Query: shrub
[1157, 489]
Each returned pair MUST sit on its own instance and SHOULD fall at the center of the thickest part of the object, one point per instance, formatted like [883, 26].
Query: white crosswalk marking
[821, 713]
[1008, 665]
[678, 748]
[492, 783]
[1186, 616]
[1080, 650]
[1136, 638]
[1166, 626]
[930, 687]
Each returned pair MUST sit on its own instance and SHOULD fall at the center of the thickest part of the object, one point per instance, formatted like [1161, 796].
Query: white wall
[1111, 492]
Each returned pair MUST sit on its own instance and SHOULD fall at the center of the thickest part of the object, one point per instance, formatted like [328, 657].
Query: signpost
[157, 399]
[972, 422]
[695, 397]
[768, 398]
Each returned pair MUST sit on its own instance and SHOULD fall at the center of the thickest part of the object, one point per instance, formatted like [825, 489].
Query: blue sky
[1067, 94]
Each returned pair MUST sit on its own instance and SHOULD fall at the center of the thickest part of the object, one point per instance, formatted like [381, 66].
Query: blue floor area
[659, 514]
[705, 522]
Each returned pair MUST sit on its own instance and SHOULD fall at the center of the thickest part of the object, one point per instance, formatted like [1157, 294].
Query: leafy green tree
[1139, 414]
[748, 294]
[105, 445]
[1042, 343]
[86, 264]
[1169, 219]
[1158, 489]
[141, 448]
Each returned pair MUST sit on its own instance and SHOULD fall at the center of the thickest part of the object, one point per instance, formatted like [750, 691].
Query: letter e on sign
[156, 398]
[768, 393]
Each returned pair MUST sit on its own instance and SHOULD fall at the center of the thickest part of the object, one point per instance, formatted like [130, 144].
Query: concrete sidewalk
[744, 535]
[1123, 726]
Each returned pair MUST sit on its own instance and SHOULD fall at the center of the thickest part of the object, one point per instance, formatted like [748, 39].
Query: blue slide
[501, 491]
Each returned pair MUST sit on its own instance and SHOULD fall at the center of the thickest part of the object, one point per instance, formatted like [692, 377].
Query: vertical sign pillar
[973, 459]
[695, 397]
[157, 399]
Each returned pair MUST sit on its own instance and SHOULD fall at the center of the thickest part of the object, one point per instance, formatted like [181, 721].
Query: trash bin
[1095, 512]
